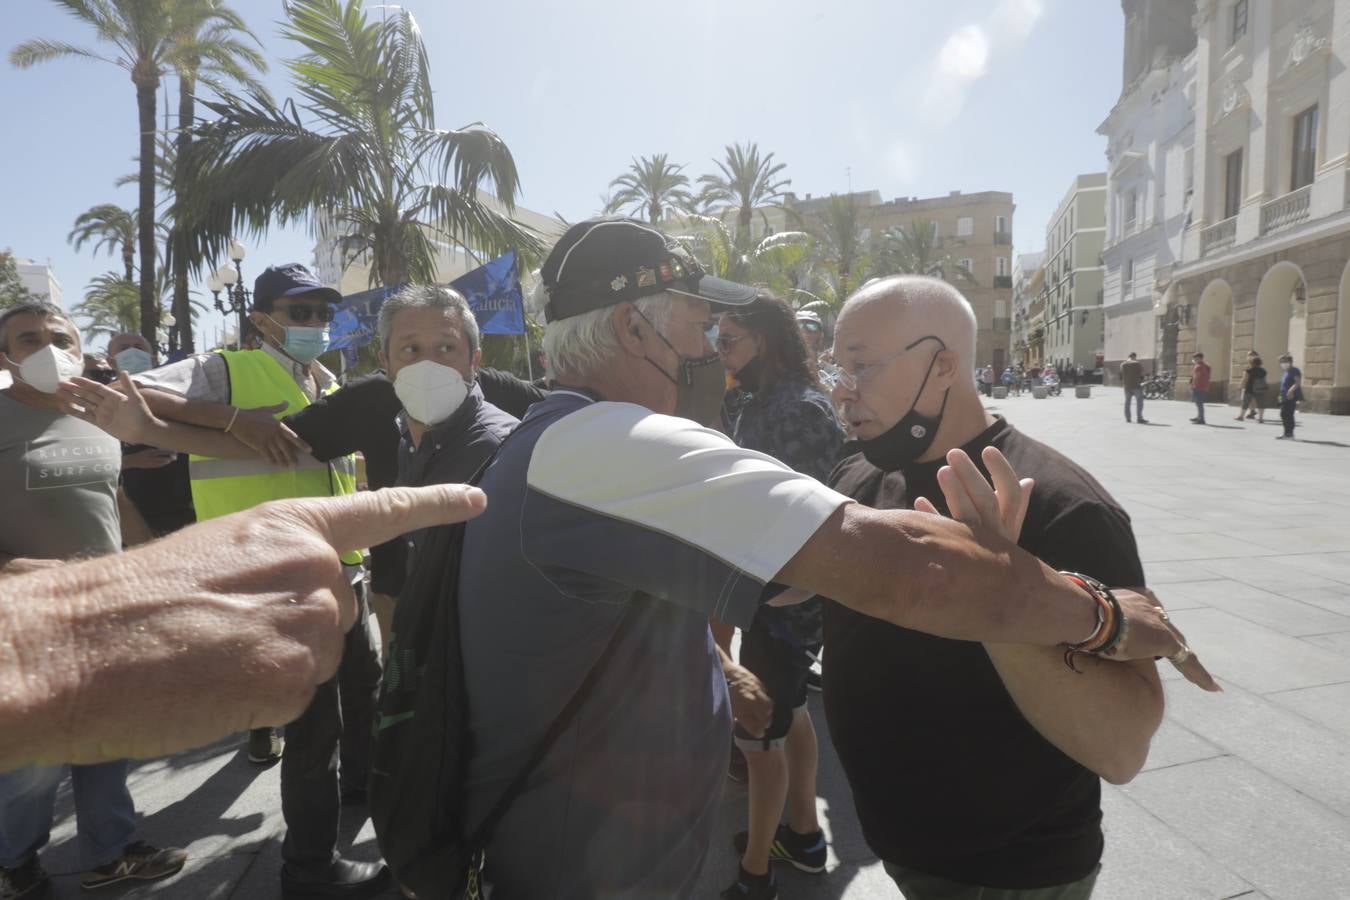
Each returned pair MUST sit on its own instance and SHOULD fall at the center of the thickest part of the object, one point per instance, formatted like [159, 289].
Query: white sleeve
[201, 377]
[667, 475]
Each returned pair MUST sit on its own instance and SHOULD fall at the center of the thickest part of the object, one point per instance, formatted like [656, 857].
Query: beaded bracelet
[1112, 626]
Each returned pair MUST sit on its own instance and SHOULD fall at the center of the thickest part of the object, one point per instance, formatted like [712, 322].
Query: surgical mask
[303, 343]
[48, 367]
[700, 384]
[907, 440]
[430, 392]
[1286, 365]
[133, 361]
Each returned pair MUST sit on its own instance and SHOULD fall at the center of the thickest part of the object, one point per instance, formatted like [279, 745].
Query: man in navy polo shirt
[608, 497]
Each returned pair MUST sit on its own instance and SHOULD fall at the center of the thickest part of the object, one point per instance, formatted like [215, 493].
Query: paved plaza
[1246, 793]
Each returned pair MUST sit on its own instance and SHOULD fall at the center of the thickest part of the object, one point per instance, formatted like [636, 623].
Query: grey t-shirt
[58, 485]
[593, 504]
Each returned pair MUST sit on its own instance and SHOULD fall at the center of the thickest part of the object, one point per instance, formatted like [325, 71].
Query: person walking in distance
[1200, 373]
[1254, 387]
[1132, 378]
[1291, 391]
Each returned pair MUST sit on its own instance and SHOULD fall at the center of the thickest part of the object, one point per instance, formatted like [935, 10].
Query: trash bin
[1039, 392]
[1083, 391]
[1000, 393]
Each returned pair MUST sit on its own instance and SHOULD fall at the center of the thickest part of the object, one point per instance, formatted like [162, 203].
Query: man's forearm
[932, 574]
[1103, 719]
[171, 435]
[203, 413]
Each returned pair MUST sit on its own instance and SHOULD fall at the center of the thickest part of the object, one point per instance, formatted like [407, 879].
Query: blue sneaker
[807, 852]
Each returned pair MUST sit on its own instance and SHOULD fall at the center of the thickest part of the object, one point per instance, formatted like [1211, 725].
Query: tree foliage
[12, 290]
[653, 187]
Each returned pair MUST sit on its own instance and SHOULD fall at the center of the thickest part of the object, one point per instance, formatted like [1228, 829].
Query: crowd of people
[700, 459]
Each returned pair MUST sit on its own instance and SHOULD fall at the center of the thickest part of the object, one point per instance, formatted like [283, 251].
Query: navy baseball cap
[287, 280]
[606, 261]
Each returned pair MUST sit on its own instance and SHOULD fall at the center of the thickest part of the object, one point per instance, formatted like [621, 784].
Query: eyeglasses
[850, 381]
[303, 312]
[726, 342]
[809, 326]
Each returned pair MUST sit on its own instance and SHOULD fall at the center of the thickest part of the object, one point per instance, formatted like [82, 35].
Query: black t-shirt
[947, 775]
[361, 417]
[162, 496]
[510, 394]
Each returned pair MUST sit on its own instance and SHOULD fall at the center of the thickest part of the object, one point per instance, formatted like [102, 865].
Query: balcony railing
[1002, 325]
[1217, 237]
[1003, 238]
[1003, 281]
[1288, 210]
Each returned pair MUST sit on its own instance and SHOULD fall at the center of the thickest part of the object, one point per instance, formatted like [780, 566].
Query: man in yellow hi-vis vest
[246, 393]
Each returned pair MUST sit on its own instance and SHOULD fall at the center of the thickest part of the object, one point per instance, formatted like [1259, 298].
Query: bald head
[905, 308]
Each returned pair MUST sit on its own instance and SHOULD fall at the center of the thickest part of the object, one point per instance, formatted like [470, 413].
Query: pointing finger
[369, 518]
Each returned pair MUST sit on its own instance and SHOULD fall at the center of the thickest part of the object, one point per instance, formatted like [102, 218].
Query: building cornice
[1330, 226]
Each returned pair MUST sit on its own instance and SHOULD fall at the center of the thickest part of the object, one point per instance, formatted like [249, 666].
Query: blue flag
[493, 292]
[356, 322]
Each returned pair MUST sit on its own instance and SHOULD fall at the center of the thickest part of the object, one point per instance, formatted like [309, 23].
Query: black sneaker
[264, 746]
[814, 680]
[140, 861]
[750, 887]
[807, 852]
[28, 880]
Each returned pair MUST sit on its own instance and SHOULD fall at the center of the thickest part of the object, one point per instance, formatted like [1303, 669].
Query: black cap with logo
[606, 261]
[289, 280]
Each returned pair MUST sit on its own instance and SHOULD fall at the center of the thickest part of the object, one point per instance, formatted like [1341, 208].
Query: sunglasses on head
[303, 312]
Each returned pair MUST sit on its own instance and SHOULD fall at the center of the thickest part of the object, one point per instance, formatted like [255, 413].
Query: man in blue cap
[246, 393]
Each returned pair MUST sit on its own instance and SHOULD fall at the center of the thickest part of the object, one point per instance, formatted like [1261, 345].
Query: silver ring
[1180, 656]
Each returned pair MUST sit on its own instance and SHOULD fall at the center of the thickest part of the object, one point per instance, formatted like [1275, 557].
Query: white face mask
[430, 391]
[48, 367]
[133, 361]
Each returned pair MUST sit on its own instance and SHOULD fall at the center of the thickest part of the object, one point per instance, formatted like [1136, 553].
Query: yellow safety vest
[224, 486]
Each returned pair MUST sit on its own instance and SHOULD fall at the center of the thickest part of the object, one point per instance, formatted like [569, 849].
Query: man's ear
[384, 360]
[475, 364]
[628, 328]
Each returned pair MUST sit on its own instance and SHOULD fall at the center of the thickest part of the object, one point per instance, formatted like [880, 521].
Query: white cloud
[903, 162]
[966, 56]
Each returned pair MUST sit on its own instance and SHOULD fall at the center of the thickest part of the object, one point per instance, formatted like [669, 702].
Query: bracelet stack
[1112, 626]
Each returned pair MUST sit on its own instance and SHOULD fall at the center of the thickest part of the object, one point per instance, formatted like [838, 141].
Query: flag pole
[529, 357]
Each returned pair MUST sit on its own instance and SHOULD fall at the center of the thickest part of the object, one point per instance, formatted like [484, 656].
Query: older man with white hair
[975, 765]
[617, 525]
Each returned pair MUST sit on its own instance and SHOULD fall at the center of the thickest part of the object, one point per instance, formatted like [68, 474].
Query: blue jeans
[1199, 397]
[104, 814]
[1138, 395]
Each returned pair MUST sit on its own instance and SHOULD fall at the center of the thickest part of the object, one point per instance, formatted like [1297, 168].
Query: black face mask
[748, 376]
[910, 438]
[700, 384]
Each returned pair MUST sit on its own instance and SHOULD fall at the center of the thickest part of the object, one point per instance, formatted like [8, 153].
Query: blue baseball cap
[287, 280]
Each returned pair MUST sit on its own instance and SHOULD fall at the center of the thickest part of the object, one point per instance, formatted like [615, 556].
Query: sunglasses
[303, 312]
[809, 326]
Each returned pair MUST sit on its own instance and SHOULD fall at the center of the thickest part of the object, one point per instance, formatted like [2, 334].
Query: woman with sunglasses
[784, 412]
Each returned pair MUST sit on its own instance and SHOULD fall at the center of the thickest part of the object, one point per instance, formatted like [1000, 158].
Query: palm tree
[747, 183]
[112, 304]
[361, 149]
[842, 232]
[652, 185]
[915, 249]
[148, 37]
[108, 226]
[237, 63]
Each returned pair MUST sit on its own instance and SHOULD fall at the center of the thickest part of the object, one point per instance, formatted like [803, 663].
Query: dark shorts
[782, 665]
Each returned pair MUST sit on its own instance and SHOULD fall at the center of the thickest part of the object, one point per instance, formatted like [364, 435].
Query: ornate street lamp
[230, 280]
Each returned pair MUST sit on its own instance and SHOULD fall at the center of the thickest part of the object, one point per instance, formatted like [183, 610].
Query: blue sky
[908, 97]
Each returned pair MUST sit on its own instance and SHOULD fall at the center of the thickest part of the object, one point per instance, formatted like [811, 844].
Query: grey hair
[428, 296]
[580, 345]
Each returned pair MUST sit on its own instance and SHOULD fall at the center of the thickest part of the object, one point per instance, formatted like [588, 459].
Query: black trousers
[341, 716]
[1287, 416]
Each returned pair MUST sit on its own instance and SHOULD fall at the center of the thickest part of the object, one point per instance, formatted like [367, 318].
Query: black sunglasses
[302, 312]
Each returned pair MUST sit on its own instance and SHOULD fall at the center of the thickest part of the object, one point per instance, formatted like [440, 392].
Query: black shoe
[264, 746]
[341, 878]
[140, 861]
[1143, 421]
[28, 880]
[751, 887]
[814, 680]
[805, 851]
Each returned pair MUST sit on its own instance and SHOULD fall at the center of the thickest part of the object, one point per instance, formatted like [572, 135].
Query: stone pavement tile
[1145, 858]
[1337, 643]
[1176, 573]
[1278, 840]
[1305, 539]
[1276, 575]
[1174, 744]
[1291, 617]
[1328, 705]
[1334, 597]
[1255, 657]
[1331, 566]
[1172, 547]
[1308, 757]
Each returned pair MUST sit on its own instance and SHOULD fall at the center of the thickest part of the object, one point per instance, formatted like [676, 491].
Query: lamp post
[230, 280]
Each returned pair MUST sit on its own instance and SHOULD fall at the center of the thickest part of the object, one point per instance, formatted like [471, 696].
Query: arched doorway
[1214, 332]
[1282, 315]
[1342, 378]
